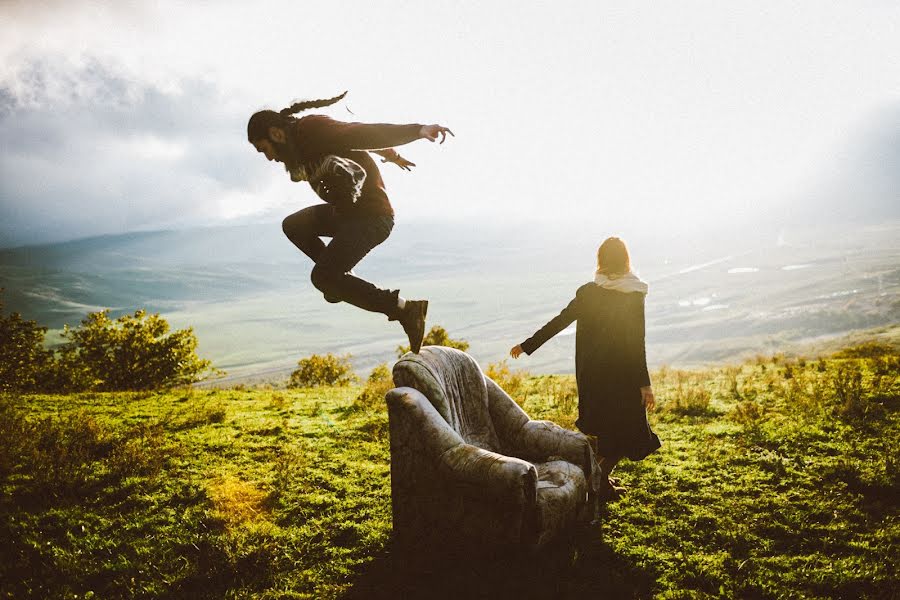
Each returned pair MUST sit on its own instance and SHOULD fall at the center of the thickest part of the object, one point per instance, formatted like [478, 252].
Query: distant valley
[245, 290]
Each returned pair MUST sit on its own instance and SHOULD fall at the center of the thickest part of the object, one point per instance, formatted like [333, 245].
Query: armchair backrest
[454, 384]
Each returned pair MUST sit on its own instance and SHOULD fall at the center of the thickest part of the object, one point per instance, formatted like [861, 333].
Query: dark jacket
[610, 367]
[317, 136]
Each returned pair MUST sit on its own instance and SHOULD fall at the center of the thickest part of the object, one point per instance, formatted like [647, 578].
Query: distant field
[246, 291]
[777, 479]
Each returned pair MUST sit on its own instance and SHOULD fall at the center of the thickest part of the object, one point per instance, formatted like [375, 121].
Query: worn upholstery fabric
[455, 385]
[468, 466]
[561, 492]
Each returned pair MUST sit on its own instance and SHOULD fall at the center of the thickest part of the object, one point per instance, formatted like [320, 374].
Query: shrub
[378, 384]
[63, 449]
[437, 336]
[15, 433]
[738, 389]
[325, 369]
[847, 382]
[197, 413]
[867, 350]
[885, 366]
[133, 352]
[747, 413]
[512, 382]
[141, 450]
[689, 397]
[24, 362]
[803, 394]
[564, 401]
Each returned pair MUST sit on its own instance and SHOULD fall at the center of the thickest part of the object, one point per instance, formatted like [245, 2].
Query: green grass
[776, 480]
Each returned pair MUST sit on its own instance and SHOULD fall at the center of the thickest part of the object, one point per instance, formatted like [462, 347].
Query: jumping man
[333, 157]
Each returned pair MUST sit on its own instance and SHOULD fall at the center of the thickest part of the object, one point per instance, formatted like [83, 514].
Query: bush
[512, 382]
[378, 384]
[748, 413]
[853, 402]
[319, 370]
[141, 450]
[24, 362]
[690, 396]
[437, 336]
[867, 350]
[63, 449]
[15, 433]
[563, 394]
[133, 352]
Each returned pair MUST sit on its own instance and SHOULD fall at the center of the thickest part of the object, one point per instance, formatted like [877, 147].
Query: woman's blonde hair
[612, 257]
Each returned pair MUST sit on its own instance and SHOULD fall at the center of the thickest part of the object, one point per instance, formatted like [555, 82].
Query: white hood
[629, 282]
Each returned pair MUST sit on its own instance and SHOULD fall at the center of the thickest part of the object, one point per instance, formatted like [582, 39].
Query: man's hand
[647, 398]
[516, 351]
[400, 162]
[431, 132]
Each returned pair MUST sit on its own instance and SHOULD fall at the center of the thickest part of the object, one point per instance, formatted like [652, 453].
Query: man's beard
[288, 156]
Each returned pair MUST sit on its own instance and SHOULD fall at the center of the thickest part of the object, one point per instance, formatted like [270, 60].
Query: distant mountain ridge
[246, 290]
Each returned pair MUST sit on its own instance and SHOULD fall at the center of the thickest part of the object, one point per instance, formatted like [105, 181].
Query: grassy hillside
[776, 479]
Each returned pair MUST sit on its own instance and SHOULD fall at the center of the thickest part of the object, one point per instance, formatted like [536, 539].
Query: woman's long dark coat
[610, 367]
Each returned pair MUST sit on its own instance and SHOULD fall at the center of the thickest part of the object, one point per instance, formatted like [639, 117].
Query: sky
[125, 116]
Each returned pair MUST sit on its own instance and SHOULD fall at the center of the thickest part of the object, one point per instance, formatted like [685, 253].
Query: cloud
[131, 115]
[91, 151]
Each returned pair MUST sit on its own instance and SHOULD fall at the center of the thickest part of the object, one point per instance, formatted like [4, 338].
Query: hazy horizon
[246, 290]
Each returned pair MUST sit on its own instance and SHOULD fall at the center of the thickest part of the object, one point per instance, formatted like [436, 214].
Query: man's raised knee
[286, 226]
[325, 281]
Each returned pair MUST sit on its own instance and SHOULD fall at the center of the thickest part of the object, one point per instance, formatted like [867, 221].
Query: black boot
[412, 317]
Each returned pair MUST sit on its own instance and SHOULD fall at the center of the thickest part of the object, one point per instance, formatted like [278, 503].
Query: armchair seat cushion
[561, 492]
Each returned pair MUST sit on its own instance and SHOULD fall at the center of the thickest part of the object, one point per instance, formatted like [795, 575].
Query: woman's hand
[431, 132]
[647, 398]
[516, 351]
[399, 161]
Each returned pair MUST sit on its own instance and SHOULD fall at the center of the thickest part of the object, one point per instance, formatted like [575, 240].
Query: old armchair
[468, 466]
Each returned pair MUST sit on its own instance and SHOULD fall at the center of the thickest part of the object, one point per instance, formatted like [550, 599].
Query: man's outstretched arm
[338, 135]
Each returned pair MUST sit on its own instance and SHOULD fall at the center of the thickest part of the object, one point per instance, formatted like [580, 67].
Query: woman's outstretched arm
[554, 326]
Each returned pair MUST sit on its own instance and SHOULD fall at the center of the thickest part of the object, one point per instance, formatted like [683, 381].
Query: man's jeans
[351, 239]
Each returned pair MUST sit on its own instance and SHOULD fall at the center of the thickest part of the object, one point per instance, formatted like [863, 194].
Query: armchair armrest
[549, 439]
[488, 473]
[533, 439]
[410, 407]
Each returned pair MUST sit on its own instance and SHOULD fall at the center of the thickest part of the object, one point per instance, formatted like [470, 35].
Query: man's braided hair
[259, 123]
[296, 107]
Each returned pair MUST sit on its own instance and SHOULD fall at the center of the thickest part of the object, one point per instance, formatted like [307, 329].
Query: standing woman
[614, 389]
[357, 215]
